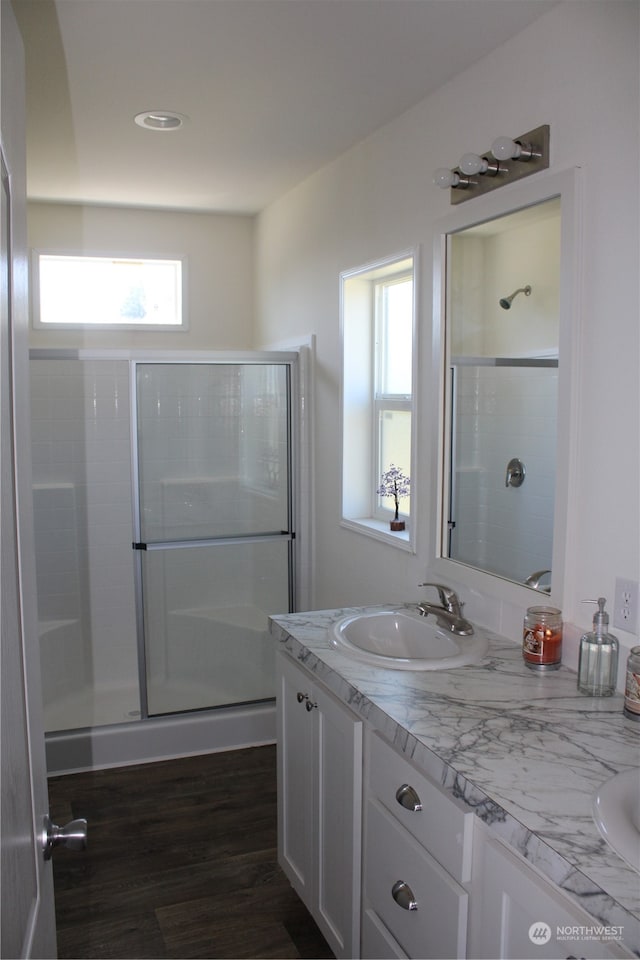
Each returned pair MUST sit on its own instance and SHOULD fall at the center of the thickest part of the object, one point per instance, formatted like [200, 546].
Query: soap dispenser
[598, 664]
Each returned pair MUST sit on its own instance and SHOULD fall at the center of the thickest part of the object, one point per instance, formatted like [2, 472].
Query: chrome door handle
[403, 895]
[408, 798]
[73, 836]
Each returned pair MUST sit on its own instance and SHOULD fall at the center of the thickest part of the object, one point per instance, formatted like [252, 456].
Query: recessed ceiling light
[160, 120]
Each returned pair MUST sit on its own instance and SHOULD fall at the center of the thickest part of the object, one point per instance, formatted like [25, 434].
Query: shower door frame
[253, 358]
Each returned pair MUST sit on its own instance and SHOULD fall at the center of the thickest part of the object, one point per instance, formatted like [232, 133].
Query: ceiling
[273, 89]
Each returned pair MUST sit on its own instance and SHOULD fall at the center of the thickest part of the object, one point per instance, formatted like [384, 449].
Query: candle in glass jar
[542, 638]
[632, 688]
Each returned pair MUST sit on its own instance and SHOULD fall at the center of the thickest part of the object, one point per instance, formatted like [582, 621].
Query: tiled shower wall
[82, 484]
[505, 412]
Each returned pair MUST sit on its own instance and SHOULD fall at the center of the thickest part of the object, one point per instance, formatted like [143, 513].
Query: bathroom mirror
[501, 294]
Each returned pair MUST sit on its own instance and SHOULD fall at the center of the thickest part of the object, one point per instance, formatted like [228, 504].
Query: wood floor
[181, 862]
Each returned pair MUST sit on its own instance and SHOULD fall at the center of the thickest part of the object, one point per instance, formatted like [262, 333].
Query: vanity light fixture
[160, 120]
[507, 161]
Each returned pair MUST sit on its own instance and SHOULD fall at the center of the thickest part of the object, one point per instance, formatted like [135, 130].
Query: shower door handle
[73, 836]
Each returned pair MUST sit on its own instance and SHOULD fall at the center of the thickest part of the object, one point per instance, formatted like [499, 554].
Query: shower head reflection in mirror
[506, 302]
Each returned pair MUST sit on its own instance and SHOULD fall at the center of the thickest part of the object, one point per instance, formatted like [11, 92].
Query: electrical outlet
[625, 610]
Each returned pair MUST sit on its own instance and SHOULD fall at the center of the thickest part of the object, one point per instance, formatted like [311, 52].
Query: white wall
[575, 68]
[220, 269]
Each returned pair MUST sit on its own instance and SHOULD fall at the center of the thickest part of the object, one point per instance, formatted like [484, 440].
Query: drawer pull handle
[408, 798]
[309, 706]
[403, 895]
[301, 696]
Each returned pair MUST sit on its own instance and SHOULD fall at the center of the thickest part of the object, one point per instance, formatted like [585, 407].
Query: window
[392, 394]
[378, 332]
[107, 292]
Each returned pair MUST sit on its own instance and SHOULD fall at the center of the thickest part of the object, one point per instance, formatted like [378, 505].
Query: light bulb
[504, 148]
[472, 163]
[445, 178]
[449, 178]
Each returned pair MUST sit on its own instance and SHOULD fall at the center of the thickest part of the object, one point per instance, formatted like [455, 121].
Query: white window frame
[360, 400]
[38, 324]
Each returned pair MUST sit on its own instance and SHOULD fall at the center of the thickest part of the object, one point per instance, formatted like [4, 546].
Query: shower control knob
[515, 473]
[73, 836]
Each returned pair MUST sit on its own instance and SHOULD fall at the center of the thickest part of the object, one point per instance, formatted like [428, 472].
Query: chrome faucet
[533, 580]
[448, 613]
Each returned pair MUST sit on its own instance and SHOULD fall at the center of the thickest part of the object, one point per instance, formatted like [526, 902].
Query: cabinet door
[338, 803]
[320, 804]
[519, 914]
[295, 778]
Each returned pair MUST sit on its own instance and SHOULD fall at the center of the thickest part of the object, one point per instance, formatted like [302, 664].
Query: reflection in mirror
[503, 282]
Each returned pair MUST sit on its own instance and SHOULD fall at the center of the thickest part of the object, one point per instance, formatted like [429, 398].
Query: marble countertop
[525, 750]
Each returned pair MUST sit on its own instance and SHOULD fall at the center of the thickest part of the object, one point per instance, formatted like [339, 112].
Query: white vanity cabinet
[320, 803]
[390, 865]
[417, 858]
[511, 903]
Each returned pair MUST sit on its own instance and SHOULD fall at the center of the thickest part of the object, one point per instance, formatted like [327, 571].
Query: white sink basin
[403, 640]
[616, 811]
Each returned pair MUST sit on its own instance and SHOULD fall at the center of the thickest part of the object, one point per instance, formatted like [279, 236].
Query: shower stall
[165, 495]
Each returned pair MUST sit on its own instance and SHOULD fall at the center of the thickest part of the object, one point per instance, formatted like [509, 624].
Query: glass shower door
[215, 532]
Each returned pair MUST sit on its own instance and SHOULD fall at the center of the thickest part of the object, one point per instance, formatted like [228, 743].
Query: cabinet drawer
[437, 927]
[377, 943]
[443, 825]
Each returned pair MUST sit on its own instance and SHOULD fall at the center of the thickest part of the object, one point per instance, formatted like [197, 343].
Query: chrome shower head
[506, 302]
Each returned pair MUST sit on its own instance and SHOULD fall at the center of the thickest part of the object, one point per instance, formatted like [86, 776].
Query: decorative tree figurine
[394, 483]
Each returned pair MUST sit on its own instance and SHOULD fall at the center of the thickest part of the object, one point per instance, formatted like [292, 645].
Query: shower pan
[165, 535]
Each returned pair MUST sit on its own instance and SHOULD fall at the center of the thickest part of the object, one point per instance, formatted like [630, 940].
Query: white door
[28, 923]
